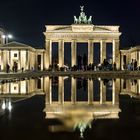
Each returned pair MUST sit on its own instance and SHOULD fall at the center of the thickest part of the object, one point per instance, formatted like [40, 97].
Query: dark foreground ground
[26, 121]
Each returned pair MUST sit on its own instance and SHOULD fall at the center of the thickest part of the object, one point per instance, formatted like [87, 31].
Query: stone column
[73, 52]
[90, 51]
[138, 57]
[73, 90]
[19, 87]
[122, 61]
[41, 61]
[9, 87]
[44, 60]
[27, 60]
[27, 86]
[19, 59]
[6, 56]
[48, 90]
[115, 91]
[61, 90]
[48, 58]
[102, 51]
[36, 61]
[10, 59]
[4, 59]
[102, 92]
[90, 91]
[116, 53]
[61, 53]
[2, 65]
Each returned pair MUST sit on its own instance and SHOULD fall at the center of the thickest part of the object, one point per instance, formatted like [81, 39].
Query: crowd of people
[14, 68]
[81, 66]
[131, 66]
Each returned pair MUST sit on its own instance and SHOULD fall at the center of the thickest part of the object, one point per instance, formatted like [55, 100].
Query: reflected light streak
[9, 106]
[3, 105]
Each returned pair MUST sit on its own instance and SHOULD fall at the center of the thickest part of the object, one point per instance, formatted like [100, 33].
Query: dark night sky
[26, 19]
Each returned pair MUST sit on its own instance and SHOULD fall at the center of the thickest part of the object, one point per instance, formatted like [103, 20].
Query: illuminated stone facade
[78, 33]
[24, 56]
[129, 55]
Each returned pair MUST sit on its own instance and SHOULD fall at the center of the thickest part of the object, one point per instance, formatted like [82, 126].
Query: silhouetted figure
[22, 69]
[114, 66]
[135, 65]
[7, 68]
[132, 65]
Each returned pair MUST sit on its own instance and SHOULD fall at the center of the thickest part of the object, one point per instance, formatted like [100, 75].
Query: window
[15, 88]
[15, 54]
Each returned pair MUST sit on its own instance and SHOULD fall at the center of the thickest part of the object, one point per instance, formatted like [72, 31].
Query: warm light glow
[10, 36]
[3, 105]
[7, 36]
[3, 36]
[99, 78]
[9, 106]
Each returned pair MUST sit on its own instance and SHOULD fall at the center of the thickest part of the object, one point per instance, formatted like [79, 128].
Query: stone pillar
[48, 58]
[4, 59]
[19, 87]
[73, 52]
[36, 61]
[102, 51]
[102, 92]
[116, 53]
[6, 56]
[138, 57]
[122, 61]
[27, 86]
[61, 53]
[2, 65]
[61, 90]
[48, 89]
[19, 60]
[42, 61]
[90, 91]
[9, 87]
[10, 59]
[73, 90]
[115, 91]
[90, 51]
[27, 60]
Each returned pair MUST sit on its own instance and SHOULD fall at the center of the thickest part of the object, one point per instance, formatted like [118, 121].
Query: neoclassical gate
[81, 31]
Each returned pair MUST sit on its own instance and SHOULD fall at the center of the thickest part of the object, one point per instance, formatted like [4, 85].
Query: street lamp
[6, 37]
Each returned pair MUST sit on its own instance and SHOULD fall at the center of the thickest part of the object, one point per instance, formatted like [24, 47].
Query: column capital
[90, 40]
[48, 40]
[102, 40]
[116, 40]
[74, 40]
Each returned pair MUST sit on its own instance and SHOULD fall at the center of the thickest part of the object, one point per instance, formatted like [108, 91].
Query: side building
[130, 56]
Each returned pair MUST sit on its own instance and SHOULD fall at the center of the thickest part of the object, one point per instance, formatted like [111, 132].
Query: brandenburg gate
[82, 31]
